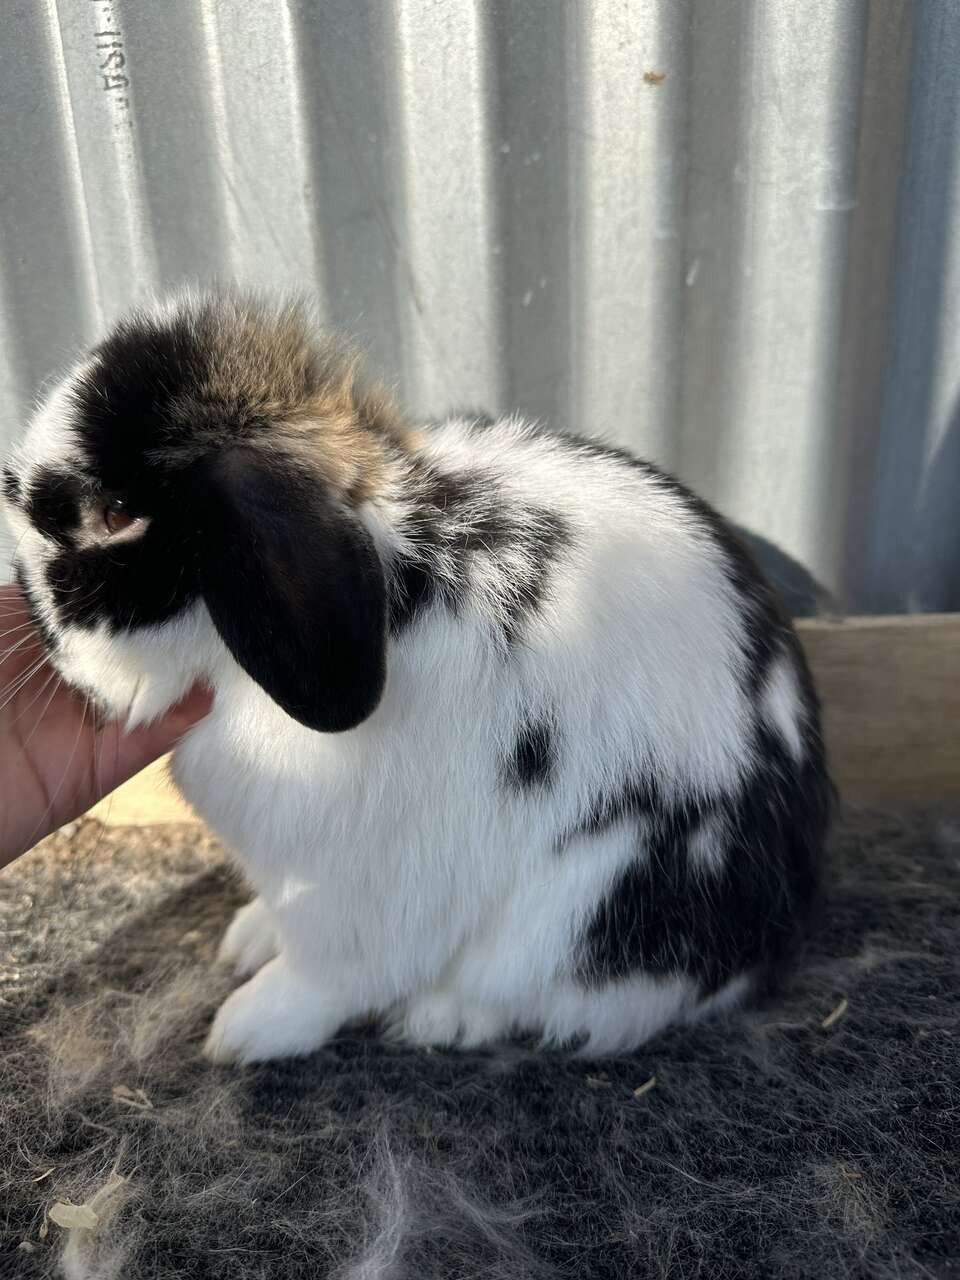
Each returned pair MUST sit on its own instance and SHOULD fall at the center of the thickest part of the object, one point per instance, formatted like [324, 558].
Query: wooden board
[891, 696]
[890, 689]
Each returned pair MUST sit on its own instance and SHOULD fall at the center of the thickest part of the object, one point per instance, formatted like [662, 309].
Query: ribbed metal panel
[724, 232]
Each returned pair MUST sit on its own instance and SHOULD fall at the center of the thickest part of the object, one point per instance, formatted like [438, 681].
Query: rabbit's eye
[107, 517]
[116, 517]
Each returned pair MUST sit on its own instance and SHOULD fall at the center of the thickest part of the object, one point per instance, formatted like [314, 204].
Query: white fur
[781, 706]
[50, 438]
[396, 873]
[251, 939]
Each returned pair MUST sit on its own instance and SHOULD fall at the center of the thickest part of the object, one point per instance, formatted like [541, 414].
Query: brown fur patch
[274, 365]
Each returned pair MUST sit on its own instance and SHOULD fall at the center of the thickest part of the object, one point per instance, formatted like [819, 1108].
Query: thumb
[128, 753]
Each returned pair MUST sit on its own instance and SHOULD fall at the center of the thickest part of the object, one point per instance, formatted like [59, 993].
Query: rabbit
[509, 735]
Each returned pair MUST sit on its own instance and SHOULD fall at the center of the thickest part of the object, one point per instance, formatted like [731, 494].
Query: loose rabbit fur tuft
[509, 732]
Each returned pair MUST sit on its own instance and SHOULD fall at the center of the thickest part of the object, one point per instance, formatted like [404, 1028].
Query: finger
[128, 753]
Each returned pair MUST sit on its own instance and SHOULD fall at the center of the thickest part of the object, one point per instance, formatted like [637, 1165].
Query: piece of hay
[645, 1087]
[836, 1013]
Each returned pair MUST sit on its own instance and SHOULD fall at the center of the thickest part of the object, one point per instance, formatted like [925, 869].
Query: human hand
[56, 759]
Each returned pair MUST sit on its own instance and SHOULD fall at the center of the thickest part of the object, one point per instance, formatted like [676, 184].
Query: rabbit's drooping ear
[295, 588]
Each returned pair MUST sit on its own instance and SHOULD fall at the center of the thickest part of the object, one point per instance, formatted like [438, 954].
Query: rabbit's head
[185, 505]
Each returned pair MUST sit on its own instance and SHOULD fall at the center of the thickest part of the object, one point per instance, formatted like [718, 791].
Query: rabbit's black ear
[294, 586]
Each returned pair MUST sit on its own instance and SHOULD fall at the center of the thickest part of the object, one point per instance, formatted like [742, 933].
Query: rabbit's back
[595, 781]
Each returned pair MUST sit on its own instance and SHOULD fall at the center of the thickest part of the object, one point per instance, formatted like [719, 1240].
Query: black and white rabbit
[509, 734]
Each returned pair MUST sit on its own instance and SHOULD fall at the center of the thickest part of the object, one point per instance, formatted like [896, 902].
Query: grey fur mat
[816, 1137]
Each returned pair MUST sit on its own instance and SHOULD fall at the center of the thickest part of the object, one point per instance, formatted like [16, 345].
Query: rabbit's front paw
[250, 940]
[441, 1018]
[274, 1015]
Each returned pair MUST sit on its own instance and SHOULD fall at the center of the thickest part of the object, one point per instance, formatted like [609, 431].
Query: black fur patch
[635, 798]
[48, 639]
[143, 421]
[533, 759]
[294, 587]
[142, 393]
[12, 490]
[53, 504]
[454, 520]
[136, 401]
[668, 914]
[132, 584]
[544, 535]
[414, 587]
[160, 399]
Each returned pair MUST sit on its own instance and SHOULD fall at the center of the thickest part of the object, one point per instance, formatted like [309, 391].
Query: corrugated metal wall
[724, 232]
